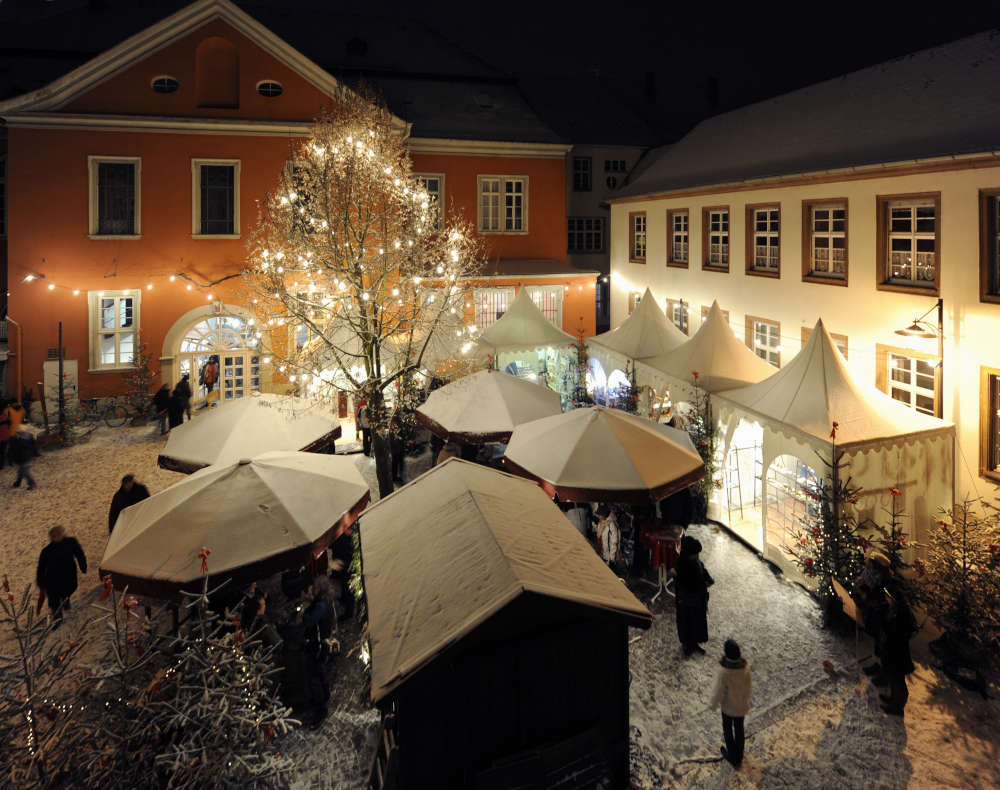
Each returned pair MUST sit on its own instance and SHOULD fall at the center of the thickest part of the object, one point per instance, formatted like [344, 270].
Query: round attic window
[269, 88]
[164, 84]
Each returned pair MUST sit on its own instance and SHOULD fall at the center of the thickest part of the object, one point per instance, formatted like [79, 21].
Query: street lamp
[922, 328]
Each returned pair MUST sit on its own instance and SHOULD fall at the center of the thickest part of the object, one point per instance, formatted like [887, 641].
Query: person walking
[128, 493]
[397, 445]
[317, 622]
[161, 403]
[5, 430]
[184, 388]
[21, 450]
[175, 408]
[898, 628]
[361, 424]
[56, 573]
[732, 694]
[693, 581]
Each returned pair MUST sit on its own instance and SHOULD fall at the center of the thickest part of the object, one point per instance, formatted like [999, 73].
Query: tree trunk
[383, 461]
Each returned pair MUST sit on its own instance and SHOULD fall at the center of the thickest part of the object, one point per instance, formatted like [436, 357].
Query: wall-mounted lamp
[925, 329]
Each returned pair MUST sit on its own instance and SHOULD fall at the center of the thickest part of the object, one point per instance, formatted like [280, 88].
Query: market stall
[790, 418]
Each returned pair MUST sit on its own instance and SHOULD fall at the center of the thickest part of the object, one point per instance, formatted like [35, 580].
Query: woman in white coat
[732, 694]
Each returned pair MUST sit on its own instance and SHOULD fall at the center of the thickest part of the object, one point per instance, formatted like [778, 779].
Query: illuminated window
[633, 301]
[824, 253]
[677, 312]
[433, 184]
[840, 341]
[581, 173]
[715, 238]
[548, 299]
[763, 234]
[763, 337]
[677, 227]
[989, 423]
[908, 243]
[989, 251]
[705, 308]
[114, 326]
[114, 195]
[491, 304]
[637, 238]
[585, 234]
[907, 376]
[503, 204]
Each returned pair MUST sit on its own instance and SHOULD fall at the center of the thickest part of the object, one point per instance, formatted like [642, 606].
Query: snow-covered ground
[806, 729]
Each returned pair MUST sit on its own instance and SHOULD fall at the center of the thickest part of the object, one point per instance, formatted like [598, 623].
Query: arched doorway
[218, 350]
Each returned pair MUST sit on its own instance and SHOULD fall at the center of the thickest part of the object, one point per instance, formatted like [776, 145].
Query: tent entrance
[789, 505]
[742, 474]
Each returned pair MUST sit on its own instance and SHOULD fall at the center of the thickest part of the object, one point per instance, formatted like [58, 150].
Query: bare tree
[352, 268]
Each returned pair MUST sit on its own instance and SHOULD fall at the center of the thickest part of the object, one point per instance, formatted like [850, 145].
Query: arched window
[220, 356]
[218, 74]
[217, 334]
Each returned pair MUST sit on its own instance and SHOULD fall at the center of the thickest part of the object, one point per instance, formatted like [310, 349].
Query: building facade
[853, 201]
[133, 180]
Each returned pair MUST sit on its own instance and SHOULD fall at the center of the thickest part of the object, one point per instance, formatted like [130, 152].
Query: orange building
[132, 182]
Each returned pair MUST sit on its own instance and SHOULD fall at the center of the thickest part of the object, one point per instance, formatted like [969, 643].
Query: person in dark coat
[161, 403]
[5, 430]
[342, 552]
[678, 509]
[56, 573]
[693, 581]
[361, 424]
[184, 388]
[21, 450]
[317, 624]
[127, 495]
[898, 627]
[175, 408]
[397, 446]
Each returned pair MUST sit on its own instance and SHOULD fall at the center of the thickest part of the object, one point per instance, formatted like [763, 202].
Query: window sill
[990, 299]
[586, 252]
[209, 236]
[677, 265]
[112, 237]
[764, 273]
[119, 369]
[712, 267]
[917, 290]
[503, 233]
[640, 261]
[986, 474]
[821, 280]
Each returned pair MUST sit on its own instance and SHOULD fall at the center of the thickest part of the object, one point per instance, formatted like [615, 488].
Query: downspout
[20, 357]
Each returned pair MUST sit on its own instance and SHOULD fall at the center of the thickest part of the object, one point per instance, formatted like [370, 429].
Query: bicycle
[132, 408]
[93, 411]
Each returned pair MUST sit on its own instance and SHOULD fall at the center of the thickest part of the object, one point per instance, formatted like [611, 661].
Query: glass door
[240, 375]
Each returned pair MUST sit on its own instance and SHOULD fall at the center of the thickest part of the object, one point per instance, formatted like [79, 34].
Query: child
[732, 693]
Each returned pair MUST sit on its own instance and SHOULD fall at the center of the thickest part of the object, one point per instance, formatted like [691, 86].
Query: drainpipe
[20, 363]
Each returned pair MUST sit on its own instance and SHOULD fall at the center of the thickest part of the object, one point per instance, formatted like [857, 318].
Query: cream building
[862, 201]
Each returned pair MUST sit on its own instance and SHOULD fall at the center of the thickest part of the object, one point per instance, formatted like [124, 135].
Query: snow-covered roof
[248, 427]
[448, 551]
[645, 333]
[816, 389]
[721, 360]
[486, 406]
[598, 454]
[524, 328]
[938, 102]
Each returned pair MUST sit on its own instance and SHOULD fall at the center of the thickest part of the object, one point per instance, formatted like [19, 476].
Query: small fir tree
[891, 540]
[625, 397]
[575, 378]
[701, 427]
[140, 377]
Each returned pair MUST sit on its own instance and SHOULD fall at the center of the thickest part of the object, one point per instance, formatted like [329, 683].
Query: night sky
[674, 64]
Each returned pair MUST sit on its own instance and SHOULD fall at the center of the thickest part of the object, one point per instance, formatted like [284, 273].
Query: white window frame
[829, 234]
[770, 349]
[767, 242]
[715, 217]
[93, 168]
[634, 298]
[479, 293]
[900, 365]
[678, 313]
[501, 214]
[580, 228]
[196, 165]
[914, 236]
[680, 235]
[421, 178]
[557, 291]
[638, 229]
[94, 309]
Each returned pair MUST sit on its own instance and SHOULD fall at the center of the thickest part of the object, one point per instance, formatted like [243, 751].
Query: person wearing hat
[869, 593]
[129, 493]
[693, 581]
[898, 627]
[733, 687]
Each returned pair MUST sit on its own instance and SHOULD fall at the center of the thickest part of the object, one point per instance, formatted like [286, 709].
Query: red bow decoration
[833, 433]
[695, 374]
[895, 492]
[203, 556]
[108, 587]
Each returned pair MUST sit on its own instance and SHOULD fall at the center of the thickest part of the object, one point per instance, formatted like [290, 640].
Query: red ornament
[695, 374]
[895, 492]
[108, 587]
[804, 542]
[833, 433]
[808, 562]
[203, 556]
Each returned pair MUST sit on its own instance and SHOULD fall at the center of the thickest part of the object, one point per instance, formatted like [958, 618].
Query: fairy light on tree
[346, 266]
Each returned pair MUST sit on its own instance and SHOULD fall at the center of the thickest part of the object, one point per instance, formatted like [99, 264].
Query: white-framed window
[677, 312]
[766, 225]
[215, 198]
[114, 196]
[912, 241]
[114, 327]
[637, 237]
[828, 244]
[911, 381]
[433, 184]
[585, 234]
[503, 204]
[678, 236]
[717, 224]
[764, 339]
[490, 304]
[582, 166]
[548, 299]
[633, 301]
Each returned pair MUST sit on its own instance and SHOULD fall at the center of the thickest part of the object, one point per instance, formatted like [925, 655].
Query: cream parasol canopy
[604, 455]
[257, 516]
[248, 427]
[485, 407]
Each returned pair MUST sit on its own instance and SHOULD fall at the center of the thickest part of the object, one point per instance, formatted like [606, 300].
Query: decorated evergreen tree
[625, 396]
[891, 540]
[701, 427]
[140, 377]
[575, 380]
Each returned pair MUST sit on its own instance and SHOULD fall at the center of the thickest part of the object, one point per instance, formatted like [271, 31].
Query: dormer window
[270, 88]
[164, 84]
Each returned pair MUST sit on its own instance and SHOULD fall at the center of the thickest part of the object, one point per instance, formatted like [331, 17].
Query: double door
[237, 375]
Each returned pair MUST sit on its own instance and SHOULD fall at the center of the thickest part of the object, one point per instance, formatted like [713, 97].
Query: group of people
[17, 443]
[170, 406]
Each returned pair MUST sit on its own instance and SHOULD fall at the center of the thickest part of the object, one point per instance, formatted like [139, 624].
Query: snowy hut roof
[645, 333]
[722, 360]
[816, 389]
[248, 427]
[458, 544]
[523, 328]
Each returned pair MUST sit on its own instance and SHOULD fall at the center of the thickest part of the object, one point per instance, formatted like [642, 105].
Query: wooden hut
[499, 640]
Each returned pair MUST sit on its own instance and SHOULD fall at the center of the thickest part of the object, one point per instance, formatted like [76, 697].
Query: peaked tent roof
[937, 102]
[523, 328]
[645, 333]
[816, 389]
[722, 360]
[446, 552]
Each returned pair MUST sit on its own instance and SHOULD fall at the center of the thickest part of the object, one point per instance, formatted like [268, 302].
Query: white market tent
[721, 360]
[645, 333]
[256, 515]
[884, 442]
[454, 547]
[604, 455]
[248, 427]
[524, 328]
[485, 407]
